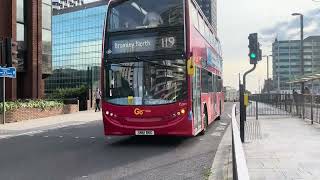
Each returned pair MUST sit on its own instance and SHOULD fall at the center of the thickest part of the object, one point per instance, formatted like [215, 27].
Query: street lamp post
[268, 89]
[301, 48]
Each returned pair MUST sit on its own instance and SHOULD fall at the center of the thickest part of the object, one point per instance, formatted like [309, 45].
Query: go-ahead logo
[140, 112]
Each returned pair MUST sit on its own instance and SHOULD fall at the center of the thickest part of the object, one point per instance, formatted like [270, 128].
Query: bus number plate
[144, 132]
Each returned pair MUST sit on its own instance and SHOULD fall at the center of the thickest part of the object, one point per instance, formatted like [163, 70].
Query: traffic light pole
[243, 111]
[246, 73]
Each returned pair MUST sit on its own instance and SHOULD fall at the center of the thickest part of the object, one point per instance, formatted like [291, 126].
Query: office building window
[20, 11]
[20, 35]
[46, 16]
[46, 37]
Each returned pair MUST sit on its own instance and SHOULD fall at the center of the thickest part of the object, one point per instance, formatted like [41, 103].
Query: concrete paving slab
[288, 148]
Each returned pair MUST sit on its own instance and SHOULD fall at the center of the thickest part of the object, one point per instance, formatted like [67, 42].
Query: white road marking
[31, 133]
[201, 139]
[216, 134]
[223, 124]
[220, 128]
[229, 115]
[92, 137]
[76, 137]
[60, 136]
[45, 136]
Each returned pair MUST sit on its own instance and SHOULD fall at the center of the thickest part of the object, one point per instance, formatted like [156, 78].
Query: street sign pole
[9, 72]
[4, 100]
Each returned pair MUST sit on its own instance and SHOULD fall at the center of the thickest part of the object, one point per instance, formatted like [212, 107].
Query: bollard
[303, 106]
[256, 109]
[242, 112]
[285, 102]
[311, 109]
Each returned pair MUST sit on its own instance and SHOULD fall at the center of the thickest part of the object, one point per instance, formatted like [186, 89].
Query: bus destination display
[143, 44]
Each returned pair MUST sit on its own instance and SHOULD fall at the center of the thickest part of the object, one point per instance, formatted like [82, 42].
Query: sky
[270, 19]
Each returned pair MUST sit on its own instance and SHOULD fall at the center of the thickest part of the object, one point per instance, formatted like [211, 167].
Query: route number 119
[168, 42]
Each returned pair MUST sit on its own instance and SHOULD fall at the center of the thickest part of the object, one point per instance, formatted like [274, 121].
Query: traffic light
[11, 52]
[254, 49]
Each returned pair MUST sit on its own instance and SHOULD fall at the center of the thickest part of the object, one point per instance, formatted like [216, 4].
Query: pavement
[222, 164]
[74, 147]
[40, 125]
[281, 147]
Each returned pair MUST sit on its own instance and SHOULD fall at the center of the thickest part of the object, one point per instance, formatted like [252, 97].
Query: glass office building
[287, 63]
[77, 46]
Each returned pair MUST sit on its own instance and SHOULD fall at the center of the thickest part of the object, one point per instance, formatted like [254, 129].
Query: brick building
[28, 22]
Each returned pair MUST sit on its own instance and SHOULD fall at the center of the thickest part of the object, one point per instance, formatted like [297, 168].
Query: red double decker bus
[162, 69]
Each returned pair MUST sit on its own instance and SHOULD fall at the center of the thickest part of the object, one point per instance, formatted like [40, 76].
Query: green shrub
[68, 93]
[40, 104]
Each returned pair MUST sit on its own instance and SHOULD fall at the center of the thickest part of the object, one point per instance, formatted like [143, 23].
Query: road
[82, 152]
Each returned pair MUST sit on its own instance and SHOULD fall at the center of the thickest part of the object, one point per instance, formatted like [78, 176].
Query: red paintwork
[160, 118]
[198, 46]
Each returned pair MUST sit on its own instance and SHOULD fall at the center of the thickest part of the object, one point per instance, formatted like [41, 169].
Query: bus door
[196, 99]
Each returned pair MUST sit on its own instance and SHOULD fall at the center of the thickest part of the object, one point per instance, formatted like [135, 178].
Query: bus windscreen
[146, 82]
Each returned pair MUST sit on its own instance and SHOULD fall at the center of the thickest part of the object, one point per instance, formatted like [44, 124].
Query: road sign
[9, 72]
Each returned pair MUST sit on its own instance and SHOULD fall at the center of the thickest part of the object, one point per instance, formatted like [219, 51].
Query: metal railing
[305, 106]
[239, 165]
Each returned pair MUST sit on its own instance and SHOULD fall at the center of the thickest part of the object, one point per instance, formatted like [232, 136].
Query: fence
[305, 106]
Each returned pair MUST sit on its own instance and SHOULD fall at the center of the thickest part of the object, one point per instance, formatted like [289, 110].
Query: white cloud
[238, 18]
